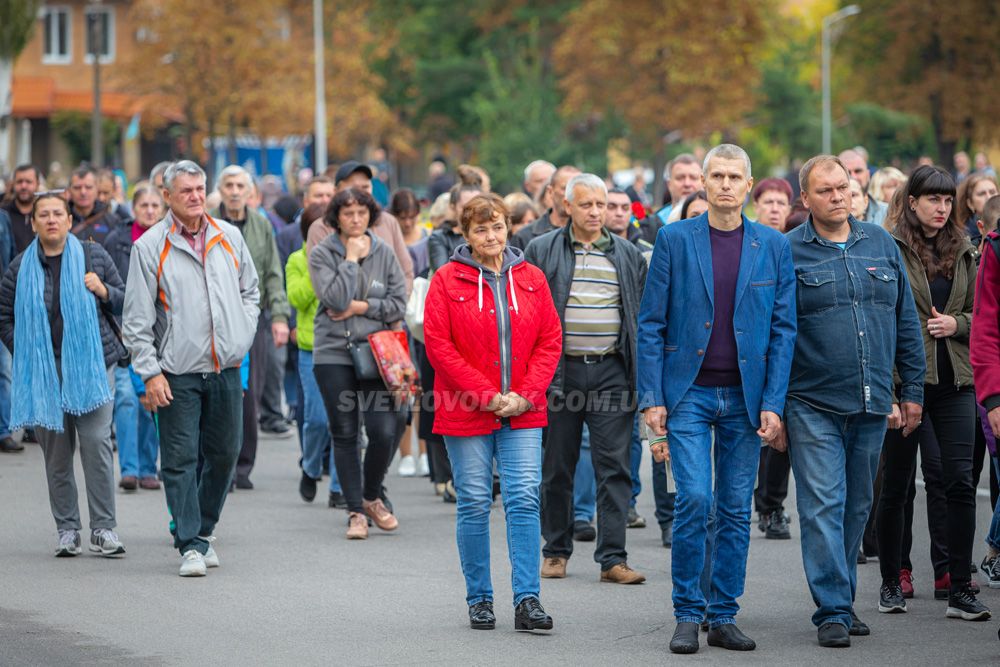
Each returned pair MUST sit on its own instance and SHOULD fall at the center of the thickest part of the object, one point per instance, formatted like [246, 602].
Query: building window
[58, 47]
[100, 31]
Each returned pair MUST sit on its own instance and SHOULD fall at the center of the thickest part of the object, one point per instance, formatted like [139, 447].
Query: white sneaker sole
[994, 584]
[68, 553]
[954, 612]
[108, 553]
[891, 610]
[192, 572]
[211, 558]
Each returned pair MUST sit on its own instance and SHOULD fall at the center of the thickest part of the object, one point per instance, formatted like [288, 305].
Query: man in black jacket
[556, 217]
[92, 219]
[596, 280]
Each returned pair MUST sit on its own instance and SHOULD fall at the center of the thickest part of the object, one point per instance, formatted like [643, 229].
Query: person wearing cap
[353, 174]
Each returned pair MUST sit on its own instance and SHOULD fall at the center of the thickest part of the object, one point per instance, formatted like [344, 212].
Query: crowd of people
[829, 327]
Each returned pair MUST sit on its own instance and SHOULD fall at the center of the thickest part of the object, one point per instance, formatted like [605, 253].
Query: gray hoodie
[377, 279]
[511, 258]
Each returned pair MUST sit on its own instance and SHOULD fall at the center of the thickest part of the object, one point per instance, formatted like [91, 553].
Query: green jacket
[959, 306]
[302, 297]
[259, 236]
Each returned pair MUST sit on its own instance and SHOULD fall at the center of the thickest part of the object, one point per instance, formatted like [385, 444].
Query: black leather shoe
[307, 488]
[858, 627]
[730, 638]
[29, 436]
[336, 500]
[685, 639]
[244, 483]
[833, 635]
[583, 532]
[481, 616]
[667, 534]
[529, 616]
[9, 445]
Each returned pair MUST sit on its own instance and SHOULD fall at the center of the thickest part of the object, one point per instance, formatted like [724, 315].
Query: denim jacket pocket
[883, 286]
[816, 293]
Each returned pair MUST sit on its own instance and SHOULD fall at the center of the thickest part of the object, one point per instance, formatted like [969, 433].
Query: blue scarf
[39, 399]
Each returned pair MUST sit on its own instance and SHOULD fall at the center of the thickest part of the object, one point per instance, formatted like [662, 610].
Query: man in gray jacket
[191, 308]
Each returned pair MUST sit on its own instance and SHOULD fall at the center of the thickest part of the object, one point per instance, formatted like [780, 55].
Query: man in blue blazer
[715, 341]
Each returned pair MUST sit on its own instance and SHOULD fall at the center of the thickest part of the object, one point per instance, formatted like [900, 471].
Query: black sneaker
[858, 627]
[336, 500]
[991, 568]
[529, 615]
[583, 531]
[9, 445]
[777, 526]
[862, 558]
[762, 521]
[833, 635]
[964, 605]
[890, 599]
[634, 520]
[29, 436]
[307, 488]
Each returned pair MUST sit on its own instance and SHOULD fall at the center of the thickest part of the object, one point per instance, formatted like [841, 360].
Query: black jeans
[937, 504]
[203, 421]
[345, 398]
[772, 481]
[437, 453]
[600, 395]
[949, 413]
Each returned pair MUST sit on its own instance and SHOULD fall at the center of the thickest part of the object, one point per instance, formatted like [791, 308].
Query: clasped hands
[510, 404]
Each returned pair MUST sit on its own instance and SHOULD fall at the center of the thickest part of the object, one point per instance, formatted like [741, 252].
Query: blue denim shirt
[856, 321]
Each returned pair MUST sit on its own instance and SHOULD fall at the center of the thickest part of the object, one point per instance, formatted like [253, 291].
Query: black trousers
[346, 398]
[949, 414]
[437, 454]
[259, 361]
[599, 395]
[937, 504]
[772, 481]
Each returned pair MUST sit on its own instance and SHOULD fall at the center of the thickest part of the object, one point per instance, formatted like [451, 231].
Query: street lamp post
[320, 121]
[95, 29]
[828, 23]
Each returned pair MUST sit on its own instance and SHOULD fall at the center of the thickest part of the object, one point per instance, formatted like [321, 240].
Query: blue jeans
[6, 367]
[993, 537]
[584, 482]
[635, 458]
[126, 423]
[690, 427]
[316, 428]
[148, 443]
[834, 460]
[518, 454]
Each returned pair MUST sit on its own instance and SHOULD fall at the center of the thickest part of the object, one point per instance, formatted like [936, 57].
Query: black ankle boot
[481, 616]
[529, 615]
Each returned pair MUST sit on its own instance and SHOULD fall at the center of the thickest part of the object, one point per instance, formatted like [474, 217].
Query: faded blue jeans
[736, 455]
[993, 537]
[518, 453]
[6, 368]
[316, 428]
[834, 460]
[584, 483]
[127, 424]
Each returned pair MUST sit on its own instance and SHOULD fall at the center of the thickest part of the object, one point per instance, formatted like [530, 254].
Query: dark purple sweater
[721, 365]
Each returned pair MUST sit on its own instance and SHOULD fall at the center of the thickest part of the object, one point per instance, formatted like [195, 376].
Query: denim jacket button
[708, 325]
[701, 353]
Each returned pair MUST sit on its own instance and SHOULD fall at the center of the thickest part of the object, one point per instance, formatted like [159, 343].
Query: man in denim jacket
[856, 321]
[715, 340]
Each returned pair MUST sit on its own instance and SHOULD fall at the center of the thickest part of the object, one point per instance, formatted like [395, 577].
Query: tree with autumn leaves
[502, 82]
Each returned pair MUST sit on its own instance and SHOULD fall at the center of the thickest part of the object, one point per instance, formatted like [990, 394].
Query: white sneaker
[192, 564]
[106, 543]
[407, 466]
[211, 558]
[69, 544]
[424, 466]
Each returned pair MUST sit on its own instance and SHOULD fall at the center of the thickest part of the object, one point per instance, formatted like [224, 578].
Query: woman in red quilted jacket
[494, 339]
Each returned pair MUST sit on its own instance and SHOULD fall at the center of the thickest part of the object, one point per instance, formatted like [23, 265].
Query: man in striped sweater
[596, 279]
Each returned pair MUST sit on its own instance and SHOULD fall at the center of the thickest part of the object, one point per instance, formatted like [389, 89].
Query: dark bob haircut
[346, 198]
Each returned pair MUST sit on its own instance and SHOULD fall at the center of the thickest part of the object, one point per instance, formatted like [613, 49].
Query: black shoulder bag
[88, 264]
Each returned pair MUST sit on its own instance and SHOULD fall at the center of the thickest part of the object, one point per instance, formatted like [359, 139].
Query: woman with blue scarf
[56, 301]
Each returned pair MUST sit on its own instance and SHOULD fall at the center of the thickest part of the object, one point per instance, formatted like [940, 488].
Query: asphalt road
[292, 590]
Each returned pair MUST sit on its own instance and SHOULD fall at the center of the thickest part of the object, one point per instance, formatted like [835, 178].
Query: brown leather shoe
[622, 574]
[149, 483]
[378, 512]
[129, 483]
[554, 567]
[357, 526]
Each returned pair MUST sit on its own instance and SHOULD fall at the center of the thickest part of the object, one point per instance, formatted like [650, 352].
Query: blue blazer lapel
[748, 258]
[703, 250]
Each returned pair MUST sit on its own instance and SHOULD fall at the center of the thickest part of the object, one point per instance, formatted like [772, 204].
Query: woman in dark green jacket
[941, 268]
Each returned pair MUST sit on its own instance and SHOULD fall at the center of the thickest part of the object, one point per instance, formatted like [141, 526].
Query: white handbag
[415, 308]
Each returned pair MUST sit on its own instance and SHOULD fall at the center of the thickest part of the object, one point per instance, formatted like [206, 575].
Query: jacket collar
[703, 247]
[809, 234]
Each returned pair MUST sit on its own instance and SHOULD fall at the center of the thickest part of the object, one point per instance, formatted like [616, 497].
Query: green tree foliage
[73, 127]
